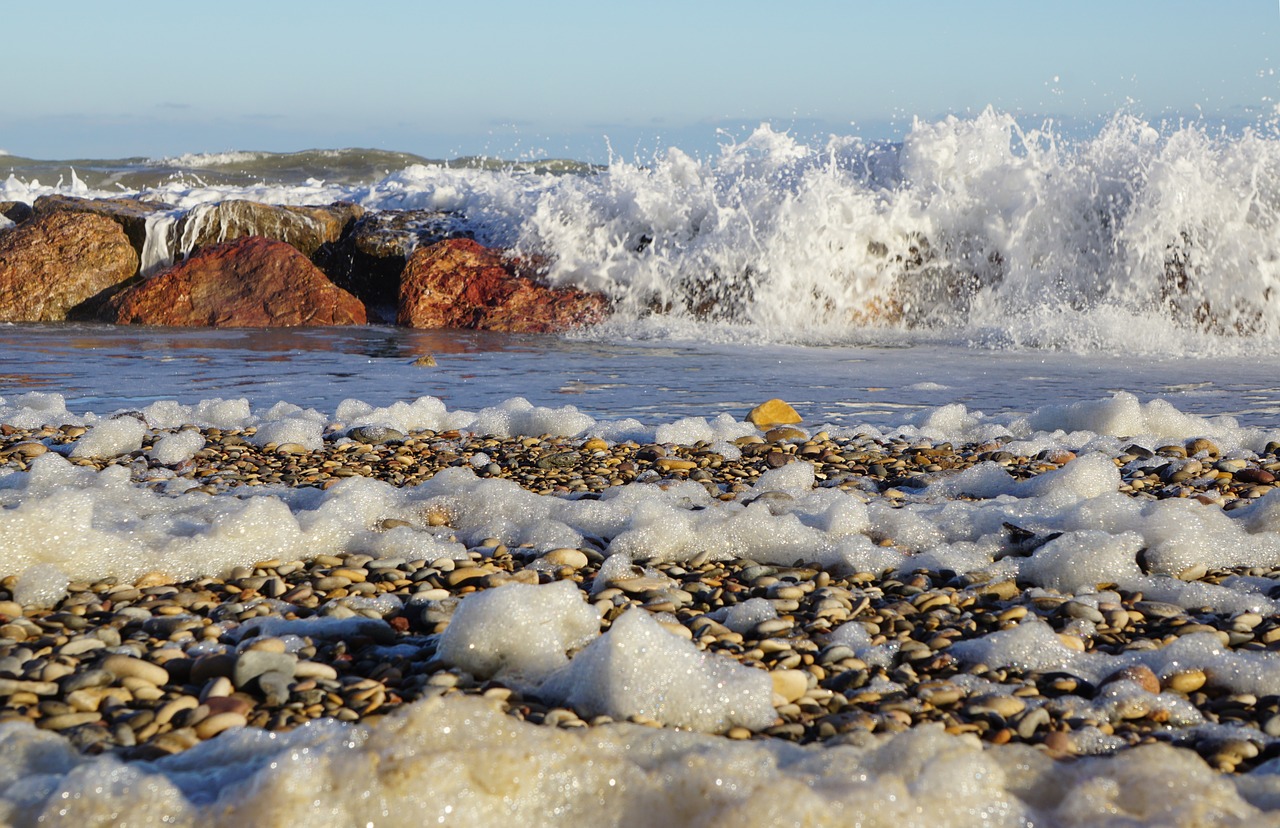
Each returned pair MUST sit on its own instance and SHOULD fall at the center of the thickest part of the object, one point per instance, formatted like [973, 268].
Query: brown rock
[250, 282]
[62, 265]
[130, 214]
[459, 283]
[306, 228]
[775, 412]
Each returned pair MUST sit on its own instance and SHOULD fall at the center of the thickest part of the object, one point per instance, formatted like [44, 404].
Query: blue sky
[528, 79]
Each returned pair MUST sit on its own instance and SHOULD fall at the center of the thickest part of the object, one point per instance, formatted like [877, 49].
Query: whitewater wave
[974, 229]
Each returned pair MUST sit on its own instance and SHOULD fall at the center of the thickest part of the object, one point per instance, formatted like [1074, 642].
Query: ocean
[978, 282]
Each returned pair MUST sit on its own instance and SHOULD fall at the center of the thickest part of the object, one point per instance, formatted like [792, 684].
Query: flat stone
[572, 558]
[122, 666]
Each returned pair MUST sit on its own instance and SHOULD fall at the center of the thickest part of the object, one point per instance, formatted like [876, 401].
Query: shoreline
[152, 666]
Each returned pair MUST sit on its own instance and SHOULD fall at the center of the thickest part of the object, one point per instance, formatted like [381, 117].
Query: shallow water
[104, 369]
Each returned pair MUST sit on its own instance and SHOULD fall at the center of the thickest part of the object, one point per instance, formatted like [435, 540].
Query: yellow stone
[595, 444]
[790, 684]
[772, 413]
[673, 464]
[425, 361]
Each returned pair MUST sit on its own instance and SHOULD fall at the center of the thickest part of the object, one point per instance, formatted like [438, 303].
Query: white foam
[519, 632]
[111, 438]
[176, 448]
[639, 669]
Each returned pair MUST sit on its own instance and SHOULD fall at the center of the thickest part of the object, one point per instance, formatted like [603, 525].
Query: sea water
[979, 280]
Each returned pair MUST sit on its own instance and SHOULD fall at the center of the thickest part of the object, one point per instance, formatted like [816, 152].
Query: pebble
[122, 666]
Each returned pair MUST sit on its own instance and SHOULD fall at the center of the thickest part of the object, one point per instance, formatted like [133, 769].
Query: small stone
[122, 666]
[790, 684]
[211, 726]
[425, 361]
[1201, 444]
[1139, 674]
[1185, 681]
[773, 413]
[675, 464]
[253, 663]
[572, 558]
[376, 435]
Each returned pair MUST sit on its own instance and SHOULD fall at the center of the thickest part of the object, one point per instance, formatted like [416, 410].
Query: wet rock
[131, 214]
[461, 284]
[368, 260]
[305, 228]
[15, 211]
[251, 282]
[62, 265]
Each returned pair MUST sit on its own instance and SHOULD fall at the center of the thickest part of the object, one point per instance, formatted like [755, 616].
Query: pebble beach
[148, 667]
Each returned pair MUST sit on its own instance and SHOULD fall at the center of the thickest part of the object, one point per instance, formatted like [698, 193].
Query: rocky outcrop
[130, 214]
[250, 282]
[368, 261]
[62, 265]
[459, 283]
[306, 228]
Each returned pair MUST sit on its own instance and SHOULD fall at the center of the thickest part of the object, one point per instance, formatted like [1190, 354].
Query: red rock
[250, 282]
[459, 283]
[62, 265]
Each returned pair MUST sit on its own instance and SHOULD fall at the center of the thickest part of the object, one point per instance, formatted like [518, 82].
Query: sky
[542, 78]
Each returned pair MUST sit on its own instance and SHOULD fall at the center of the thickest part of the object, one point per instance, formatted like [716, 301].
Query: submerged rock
[250, 282]
[459, 283]
[62, 265]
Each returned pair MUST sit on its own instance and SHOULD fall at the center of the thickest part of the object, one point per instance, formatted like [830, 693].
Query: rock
[572, 558]
[123, 666]
[1187, 680]
[1200, 444]
[1255, 476]
[62, 266]
[211, 726]
[1139, 674]
[251, 282]
[775, 412]
[304, 228]
[461, 284]
[16, 211]
[131, 214]
[376, 435]
[368, 261]
[790, 684]
[254, 663]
